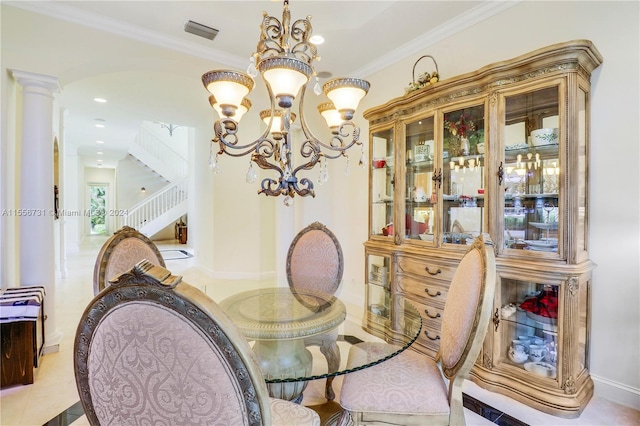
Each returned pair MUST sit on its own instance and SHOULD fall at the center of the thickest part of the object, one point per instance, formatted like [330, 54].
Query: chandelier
[284, 57]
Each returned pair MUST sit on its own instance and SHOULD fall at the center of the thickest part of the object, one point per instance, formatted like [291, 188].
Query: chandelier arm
[315, 155]
[342, 148]
[303, 192]
[267, 187]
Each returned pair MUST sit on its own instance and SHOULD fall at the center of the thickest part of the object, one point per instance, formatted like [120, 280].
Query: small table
[280, 319]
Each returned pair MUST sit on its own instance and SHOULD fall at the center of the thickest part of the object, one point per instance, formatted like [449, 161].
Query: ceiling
[137, 55]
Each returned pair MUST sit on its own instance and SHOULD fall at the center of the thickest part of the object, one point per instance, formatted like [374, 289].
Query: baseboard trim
[616, 392]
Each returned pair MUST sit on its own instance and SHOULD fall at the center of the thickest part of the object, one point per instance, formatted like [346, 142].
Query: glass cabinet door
[463, 176]
[531, 171]
[529, 326]
[382, 181]
[419, 202]
[378, 287]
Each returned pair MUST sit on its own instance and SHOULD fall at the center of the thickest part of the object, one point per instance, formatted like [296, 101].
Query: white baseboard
[616, 392]
[229, 275]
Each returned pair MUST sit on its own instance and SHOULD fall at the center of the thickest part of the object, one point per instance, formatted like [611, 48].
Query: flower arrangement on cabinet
[466, 138]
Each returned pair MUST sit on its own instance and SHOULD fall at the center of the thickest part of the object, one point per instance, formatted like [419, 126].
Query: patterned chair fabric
[410, 389]
[121, 252]
[315, 262]
[151, 349]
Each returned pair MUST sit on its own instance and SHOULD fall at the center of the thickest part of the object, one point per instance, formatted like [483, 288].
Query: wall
[132, 177]
[614, 209]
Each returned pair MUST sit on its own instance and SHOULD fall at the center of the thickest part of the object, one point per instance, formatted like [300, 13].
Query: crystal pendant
[251, 69]
[316, 88]
[324, 173]
[346, 169]
[288, 201]
[251, 174]
[363, 159]
[213, 164]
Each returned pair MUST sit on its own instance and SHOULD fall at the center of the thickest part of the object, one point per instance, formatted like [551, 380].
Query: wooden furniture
[123, 250]
[502, 151]
[315, 262]
[419, 392]
[22, 333]
[152, 349]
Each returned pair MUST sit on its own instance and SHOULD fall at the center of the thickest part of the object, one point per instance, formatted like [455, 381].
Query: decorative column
[37, 249]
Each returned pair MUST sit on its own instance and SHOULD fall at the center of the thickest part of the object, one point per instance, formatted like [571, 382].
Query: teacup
[537, 353]
[519, 346]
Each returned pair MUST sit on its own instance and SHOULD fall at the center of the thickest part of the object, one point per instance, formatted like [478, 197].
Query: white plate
[550, 243]
[544, 225]
[543, 369]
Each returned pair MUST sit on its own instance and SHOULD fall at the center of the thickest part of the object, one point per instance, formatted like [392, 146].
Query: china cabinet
[500, 152]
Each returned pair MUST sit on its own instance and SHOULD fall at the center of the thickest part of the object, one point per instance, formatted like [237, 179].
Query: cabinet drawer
[426, 268]
[429, 339]
[429, 292]
[431, 315]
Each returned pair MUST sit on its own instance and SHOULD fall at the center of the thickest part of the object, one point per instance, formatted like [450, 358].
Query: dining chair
[315, 262]
[152, 349]
[121, 252]
[412, 388]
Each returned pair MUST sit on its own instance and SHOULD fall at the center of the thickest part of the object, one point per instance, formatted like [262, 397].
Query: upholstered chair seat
[151, 349]
[412, 388]
[120, 253]
[315, 263]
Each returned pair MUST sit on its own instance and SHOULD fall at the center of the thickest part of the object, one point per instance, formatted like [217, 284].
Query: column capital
[52, 84]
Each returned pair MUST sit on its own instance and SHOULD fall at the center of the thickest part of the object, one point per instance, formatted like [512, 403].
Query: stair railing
[162, 152]
[154, 206]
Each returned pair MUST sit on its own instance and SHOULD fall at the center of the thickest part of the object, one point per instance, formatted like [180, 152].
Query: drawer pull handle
[426, 333]
[437, 315]
[436, 294]
[432, 273]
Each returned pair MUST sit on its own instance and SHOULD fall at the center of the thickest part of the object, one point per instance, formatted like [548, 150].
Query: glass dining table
[283, 324]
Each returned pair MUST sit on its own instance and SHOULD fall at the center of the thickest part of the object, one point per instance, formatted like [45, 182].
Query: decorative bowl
[543, 137]
[379, 163]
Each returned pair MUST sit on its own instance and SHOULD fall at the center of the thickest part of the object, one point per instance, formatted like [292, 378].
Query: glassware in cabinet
[419, 185]
[378, 287]
[463, 174]
[382, 182]
[529, 326]
[531, 172]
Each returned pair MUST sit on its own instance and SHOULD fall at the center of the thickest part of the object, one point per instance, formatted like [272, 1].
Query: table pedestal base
[288, 358]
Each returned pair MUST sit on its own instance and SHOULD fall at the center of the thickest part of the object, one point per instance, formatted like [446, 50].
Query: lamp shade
[330, 114]
[228, 88]
[245, 106]
[346, 94]
[276, 124]
[285, 77]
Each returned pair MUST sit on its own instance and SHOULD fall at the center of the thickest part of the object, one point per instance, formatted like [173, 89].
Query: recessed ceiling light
[100, 100]
[316, 39]
[100, 142]
[99, 153]
[100, 125]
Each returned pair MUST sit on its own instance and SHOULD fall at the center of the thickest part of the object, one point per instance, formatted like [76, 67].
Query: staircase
[164, 207]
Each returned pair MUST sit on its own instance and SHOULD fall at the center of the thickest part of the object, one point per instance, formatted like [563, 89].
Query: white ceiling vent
[200, 30]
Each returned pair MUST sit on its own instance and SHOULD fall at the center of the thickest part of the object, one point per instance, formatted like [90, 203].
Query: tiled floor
[54, 392]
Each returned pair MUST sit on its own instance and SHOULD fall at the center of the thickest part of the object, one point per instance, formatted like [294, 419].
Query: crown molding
[461, 22]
